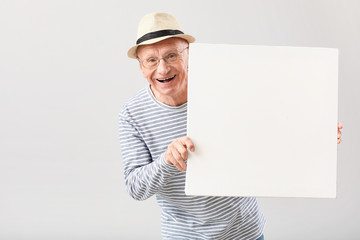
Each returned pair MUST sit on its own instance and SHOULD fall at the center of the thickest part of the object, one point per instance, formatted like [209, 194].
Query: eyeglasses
[153, 62]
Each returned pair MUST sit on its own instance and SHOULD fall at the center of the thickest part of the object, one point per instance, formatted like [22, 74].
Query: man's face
[168, 81]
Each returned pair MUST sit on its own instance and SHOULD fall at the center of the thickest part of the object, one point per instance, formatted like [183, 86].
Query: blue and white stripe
[147, 127]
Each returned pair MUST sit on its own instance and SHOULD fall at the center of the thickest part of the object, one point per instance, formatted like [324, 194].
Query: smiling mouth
[165, 80]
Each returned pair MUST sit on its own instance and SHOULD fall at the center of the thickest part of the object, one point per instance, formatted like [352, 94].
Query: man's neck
[173, 101]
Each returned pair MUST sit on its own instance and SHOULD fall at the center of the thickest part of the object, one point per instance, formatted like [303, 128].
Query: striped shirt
[147, 127]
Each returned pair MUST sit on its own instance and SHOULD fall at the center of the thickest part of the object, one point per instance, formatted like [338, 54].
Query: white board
[263, 120]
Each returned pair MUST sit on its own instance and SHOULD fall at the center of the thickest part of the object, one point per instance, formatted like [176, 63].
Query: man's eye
[172, 56]
[151, 60]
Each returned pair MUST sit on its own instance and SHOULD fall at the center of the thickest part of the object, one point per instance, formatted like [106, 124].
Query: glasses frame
[158, 60]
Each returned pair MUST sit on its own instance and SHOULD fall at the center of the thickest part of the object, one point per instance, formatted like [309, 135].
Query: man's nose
[163, 67]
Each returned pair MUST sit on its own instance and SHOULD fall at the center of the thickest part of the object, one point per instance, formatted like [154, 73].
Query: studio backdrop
[64, 76]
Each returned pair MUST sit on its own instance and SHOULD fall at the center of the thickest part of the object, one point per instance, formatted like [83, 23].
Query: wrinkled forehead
[162, 47]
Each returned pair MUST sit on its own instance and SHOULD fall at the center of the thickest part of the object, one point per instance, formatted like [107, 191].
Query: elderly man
[155, 147]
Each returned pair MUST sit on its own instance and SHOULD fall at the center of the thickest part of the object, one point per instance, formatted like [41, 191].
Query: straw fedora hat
[155, 27]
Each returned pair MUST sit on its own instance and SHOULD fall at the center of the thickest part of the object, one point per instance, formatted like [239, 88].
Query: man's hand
[177, 152]
[339, 133]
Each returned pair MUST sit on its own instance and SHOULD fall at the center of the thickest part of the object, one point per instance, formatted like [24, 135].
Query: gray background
[64, 75]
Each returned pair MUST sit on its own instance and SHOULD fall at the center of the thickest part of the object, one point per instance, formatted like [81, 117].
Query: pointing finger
[188, 143]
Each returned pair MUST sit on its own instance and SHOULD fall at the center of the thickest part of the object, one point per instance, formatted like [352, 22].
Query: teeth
[166, 78]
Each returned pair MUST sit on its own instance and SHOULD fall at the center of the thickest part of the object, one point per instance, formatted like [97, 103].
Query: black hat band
[157, 34]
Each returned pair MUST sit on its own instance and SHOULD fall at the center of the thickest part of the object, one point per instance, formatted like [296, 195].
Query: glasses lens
[171, 57]
[151, 62]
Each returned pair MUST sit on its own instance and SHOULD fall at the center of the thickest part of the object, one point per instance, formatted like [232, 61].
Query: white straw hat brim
[132, 51]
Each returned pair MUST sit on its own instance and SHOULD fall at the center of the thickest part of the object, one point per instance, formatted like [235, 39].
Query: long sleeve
[143, 175]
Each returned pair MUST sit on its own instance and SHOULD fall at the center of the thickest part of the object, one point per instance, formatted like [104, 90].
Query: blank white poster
[263, 120]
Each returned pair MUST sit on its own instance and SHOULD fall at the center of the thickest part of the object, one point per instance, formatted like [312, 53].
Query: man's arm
[144, 176]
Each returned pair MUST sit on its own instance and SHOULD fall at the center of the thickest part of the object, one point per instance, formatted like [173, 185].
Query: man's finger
[188, 143]
[169, 157]
[181, 149]
[180, 165]
[178, 162]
